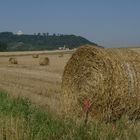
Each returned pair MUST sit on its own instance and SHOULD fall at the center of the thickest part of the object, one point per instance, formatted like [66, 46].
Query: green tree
[47, 34]
[3, 46]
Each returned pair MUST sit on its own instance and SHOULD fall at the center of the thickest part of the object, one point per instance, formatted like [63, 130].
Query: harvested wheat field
[108, 78]
[41, 84]
[99, 74]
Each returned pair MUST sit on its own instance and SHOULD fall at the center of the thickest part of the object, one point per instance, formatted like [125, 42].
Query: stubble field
[40, 84]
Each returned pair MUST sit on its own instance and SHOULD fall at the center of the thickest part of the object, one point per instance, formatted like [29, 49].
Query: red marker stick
[87, 105]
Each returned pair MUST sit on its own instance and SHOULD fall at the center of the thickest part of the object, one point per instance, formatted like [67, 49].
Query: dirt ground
[40, 84]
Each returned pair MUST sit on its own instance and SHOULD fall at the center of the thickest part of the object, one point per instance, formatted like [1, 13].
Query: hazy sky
[109, 23]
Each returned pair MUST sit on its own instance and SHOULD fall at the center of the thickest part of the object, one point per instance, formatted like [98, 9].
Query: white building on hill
[19, 32]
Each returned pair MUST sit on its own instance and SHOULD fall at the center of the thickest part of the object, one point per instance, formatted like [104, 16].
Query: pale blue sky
[111, 23]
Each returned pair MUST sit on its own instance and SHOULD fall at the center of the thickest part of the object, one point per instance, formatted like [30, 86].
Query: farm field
[41, 84]
[137, 50]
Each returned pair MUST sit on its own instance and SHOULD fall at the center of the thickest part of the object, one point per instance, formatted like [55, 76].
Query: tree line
[44, 41]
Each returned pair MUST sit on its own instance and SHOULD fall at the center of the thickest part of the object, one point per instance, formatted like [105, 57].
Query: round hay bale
[44, 61]
[13, 60]
[61, 54]
[35, 55]
[109, 78]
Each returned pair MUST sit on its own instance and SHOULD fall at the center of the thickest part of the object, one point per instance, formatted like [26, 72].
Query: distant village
[63, 48]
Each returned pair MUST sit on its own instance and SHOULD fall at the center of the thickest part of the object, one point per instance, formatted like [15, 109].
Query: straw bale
[61, 54]
[109, 78]
[13, 60]
[44, 61]
[35, 55]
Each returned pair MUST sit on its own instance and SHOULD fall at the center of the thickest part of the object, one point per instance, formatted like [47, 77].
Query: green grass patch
[20, 120]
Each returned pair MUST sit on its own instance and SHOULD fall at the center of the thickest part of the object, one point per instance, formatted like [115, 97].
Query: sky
[109, 23]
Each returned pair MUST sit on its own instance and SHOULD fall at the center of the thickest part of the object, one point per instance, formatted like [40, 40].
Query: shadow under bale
[109, 78]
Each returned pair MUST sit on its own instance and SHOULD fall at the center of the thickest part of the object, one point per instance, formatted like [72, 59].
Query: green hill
[41, 41]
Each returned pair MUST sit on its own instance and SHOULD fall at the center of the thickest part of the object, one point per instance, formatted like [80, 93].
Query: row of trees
[41, 41]
[47, 34]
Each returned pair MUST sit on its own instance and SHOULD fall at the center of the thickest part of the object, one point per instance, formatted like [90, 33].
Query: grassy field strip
[41, 97]
[20, 120]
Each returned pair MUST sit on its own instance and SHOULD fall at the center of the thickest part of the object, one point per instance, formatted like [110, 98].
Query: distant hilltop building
[19, 32]
[63, 48]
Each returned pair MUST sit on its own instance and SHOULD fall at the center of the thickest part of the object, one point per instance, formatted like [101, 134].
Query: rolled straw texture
[110, 78]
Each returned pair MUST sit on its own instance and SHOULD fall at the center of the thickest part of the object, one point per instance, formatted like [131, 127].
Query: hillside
[41, 41]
